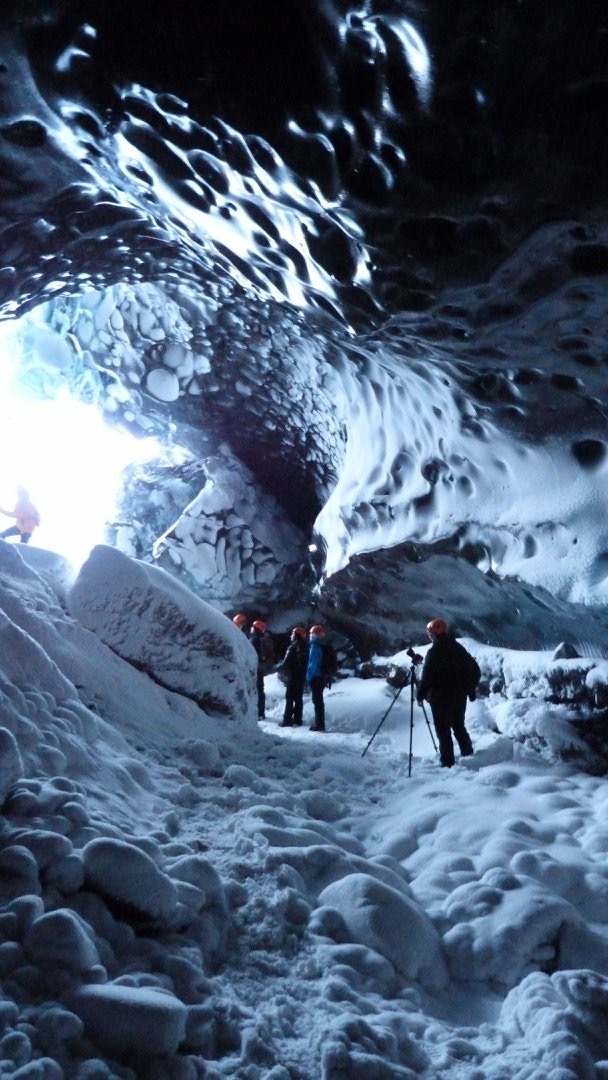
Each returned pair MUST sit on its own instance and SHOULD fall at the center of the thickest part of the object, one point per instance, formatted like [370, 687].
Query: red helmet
[437, 627]
[257, 624]
[299, 631]
[319, 630]
[240, 620]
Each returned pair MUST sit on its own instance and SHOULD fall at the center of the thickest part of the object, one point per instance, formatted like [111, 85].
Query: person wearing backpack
[318, 674]
[449, 676]
[293, 670]
[262, 644]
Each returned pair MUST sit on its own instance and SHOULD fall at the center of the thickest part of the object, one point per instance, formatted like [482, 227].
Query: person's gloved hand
[420, 700]
[328, 684]
[472, 696]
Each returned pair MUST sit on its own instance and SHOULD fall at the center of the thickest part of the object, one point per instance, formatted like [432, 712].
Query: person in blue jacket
[315, 675]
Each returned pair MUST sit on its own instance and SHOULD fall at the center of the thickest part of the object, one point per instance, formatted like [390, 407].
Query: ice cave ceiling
[350, 264]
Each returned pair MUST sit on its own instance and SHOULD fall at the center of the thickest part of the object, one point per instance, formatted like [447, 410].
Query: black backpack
[473, 673]
[330, 660]
[267, 654]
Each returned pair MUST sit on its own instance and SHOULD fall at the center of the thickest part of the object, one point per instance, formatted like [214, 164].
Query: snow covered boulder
[61, 939]
[129, 880]
[562, 1034]
[11, 766]
[18, 873]
[203, 754]
[195, 876]
[199, 872]
[383, 919]
[54, 569]
[155, 623]
[505, 926]
[130, 1020]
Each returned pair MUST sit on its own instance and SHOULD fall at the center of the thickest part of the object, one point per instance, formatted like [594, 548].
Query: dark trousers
[294, 702]
[448, 717]
[261, 694]
[317, 686]
[14, 530]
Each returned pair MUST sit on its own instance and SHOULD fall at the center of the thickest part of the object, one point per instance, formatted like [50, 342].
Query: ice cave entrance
[60, 448]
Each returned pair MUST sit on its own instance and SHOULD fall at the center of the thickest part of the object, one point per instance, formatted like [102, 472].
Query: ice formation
[386, 345]
[348, 265]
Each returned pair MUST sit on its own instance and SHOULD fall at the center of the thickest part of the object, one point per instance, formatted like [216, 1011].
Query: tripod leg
[382, 721]
[412, 682]
[428, 723]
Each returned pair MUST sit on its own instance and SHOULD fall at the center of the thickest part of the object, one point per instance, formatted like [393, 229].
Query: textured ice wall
[333, 278]
[426, 461]
[390, 436]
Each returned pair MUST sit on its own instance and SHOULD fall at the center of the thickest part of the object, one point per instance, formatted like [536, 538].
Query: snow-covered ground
[185, 893]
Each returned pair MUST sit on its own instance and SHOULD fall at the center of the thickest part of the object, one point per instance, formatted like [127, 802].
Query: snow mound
[131, 1019]
[153, 621]
[391, 924]
[126, 876]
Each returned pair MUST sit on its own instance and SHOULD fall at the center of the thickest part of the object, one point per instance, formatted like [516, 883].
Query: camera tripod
[413, 683]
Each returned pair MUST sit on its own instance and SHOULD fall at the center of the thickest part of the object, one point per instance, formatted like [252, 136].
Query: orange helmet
[299, 631]
[436, 627]
[319, 630]
[259, 625]
[240, 620]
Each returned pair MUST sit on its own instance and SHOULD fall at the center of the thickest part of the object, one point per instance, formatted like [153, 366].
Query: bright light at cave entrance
[71, 462]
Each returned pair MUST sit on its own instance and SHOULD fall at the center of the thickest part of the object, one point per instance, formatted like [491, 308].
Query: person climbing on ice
[26, 518]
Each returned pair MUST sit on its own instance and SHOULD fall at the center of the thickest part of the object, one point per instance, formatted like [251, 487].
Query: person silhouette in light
[26, 517]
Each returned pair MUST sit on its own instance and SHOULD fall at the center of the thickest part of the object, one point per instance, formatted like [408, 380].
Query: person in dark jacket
[263, 647]
[316, 675]
[241, 622]
[293, 668]
[449, 675]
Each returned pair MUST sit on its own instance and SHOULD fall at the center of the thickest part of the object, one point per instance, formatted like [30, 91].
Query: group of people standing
[308, 659]
[313, 662]
[449, 674]
[449, 677]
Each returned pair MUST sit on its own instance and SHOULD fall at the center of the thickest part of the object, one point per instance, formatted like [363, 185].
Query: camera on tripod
[398, 678]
